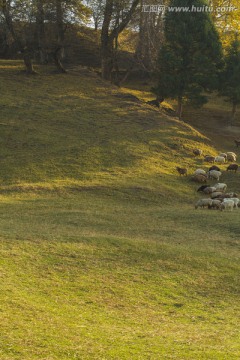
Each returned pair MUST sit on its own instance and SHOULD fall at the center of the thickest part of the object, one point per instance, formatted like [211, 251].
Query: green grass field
[102, 254]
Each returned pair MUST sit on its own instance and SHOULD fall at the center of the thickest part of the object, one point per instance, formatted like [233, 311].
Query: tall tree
[60, 25]
[40, 30]
[230, 77]
[23, 44]
[226, 16]
[97, 11]
[4, 36]
[151, 33]
[28, 21]
[110, 32]
[190, 59]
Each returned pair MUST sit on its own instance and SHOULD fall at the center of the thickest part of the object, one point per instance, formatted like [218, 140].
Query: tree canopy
[230, 77]
[190, 58]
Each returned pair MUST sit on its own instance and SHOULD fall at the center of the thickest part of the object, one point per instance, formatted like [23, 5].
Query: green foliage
[190, 58]
[226, 19]
[230, 77]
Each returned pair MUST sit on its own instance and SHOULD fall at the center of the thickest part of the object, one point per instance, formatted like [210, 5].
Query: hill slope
[102, 255]
[59, 129]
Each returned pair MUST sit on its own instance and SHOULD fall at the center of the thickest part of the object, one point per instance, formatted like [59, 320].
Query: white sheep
[209, 190]
[232, 153]
[235, 200]
[224, 155]
[200, 171]
[220, 187]
[220, 159]
[216, 204]
[232, 157]
[227, 204]
[216, 194]
[214, 174]
[231, 195]
[203, 202]
[227, 196]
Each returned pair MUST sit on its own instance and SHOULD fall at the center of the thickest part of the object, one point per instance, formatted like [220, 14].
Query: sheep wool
[214, 174]
[203, 202]
[220, 159]
[228, 204]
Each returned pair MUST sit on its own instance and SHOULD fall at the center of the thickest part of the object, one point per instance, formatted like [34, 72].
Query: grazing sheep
[237, 142]
[228, 204]
[209, 158]
[181, 171]
[209, 190]
[232, 167]
[232, 153]
[214, 167]
[231, 157]
[216, 204]
[214, 174]
[223, 155]
[202, 187]
[216, 195]
[220, 187]
[227, 196]
[220, 159]
[200, 178]
[200, 171]
[230, 195]
[197, 152]
[235, 200]
[202, 203]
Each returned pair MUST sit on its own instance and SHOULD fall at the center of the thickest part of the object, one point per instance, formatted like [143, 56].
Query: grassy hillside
[64, 130]
[102, 255]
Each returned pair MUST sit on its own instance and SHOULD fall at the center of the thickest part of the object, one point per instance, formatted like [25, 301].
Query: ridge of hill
[77, 131]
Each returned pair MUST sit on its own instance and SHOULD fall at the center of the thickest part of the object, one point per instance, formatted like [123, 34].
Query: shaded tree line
[36, 28]
[192, 61]
[181, 51]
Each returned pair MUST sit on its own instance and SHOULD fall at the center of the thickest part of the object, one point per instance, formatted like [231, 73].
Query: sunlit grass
[62, 129]
[102, 254]
[88, 275]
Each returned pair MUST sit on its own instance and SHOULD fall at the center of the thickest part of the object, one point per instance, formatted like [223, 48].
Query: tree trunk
[233, 113]
[57, 61]
[180, 107]
[106, 47]
[107, 64]
[5, 47]
[60, 27]
[115, 55]
[28, 63]
[139, 49]
[96, 25]
[128, 72]
[23, 48]
[40, 32]
[107, 39]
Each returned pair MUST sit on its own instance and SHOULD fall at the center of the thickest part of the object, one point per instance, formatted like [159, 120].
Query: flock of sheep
[218, 197]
